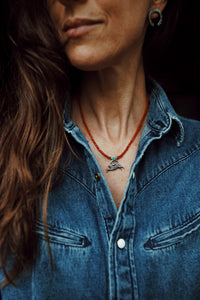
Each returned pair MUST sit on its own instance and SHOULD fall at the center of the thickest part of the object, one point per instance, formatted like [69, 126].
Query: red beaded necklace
[114, 164]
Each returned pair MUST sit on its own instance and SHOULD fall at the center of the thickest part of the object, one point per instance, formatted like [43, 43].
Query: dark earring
[158, 20]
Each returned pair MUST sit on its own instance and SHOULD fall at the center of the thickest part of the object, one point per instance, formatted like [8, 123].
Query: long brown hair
[33, 83]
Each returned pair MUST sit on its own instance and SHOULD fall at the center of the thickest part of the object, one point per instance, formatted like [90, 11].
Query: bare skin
[113, 93]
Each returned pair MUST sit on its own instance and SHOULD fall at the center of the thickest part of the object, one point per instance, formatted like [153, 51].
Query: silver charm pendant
[114, 165]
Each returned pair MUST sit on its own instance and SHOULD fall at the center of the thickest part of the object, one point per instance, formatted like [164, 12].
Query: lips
[78, 22]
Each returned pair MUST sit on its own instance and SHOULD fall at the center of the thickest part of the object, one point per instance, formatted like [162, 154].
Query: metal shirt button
[121, 243]
[97, 177]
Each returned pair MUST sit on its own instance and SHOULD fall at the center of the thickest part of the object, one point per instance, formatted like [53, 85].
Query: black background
[179, 70]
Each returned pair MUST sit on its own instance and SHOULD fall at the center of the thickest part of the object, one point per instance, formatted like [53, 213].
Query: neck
[113, 100]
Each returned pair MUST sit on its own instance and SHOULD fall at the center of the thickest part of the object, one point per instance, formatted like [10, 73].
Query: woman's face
[99, 33]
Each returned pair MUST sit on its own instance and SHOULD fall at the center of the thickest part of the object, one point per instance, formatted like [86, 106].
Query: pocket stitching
[159, 242]
[57, 236]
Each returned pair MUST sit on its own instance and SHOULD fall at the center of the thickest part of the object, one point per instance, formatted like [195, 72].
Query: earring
[160, 17]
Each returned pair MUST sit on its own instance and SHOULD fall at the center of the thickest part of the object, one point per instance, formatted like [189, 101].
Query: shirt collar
[161, 116]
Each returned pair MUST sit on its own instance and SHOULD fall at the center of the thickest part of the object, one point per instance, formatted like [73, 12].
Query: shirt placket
[120, 234]
[122, 275]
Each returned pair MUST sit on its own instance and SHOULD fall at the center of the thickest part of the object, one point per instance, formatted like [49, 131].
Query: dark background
[178, 71]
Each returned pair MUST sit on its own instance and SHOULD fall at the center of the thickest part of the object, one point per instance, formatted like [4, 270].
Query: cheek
[127, 21]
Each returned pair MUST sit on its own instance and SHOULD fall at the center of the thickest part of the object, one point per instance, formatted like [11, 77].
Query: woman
[121, 220]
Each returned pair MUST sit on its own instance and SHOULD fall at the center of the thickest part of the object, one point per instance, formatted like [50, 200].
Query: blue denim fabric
[159, 220]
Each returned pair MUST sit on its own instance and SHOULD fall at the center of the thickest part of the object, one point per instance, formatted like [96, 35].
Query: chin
[86, 59]
[85, 65]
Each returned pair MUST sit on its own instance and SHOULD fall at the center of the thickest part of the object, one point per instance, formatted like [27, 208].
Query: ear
[158, 4]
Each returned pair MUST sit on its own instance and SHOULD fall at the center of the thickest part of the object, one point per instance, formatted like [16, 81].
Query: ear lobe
[158, 4]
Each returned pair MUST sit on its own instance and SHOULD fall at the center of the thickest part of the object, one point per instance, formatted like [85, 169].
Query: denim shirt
[150, 247]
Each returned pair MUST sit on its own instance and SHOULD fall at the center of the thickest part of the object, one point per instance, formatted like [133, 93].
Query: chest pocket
[62, 237]
[173, 236]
